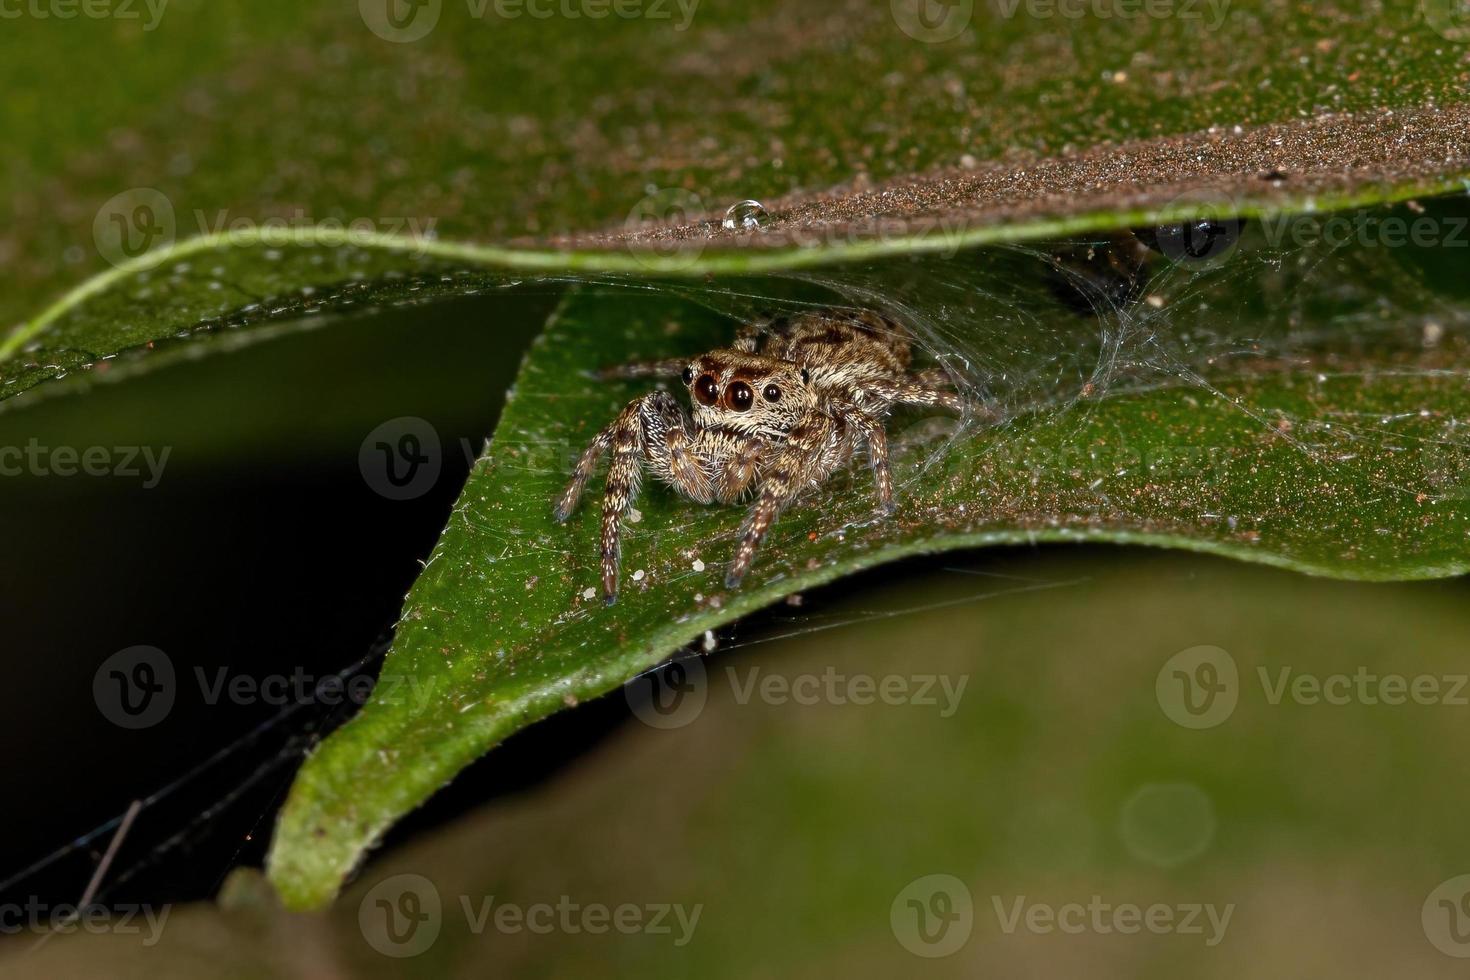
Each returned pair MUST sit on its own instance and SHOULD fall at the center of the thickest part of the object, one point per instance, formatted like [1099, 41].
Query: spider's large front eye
[740, 396]
[706, 392]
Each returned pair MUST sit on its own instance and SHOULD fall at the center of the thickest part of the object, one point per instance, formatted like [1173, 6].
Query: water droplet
[746, 216]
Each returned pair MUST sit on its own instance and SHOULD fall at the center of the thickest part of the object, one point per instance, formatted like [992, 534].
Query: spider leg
[933, 377]
[800, 462]
[770, 327]
[748, 337]
[624, 474]
[914, 392]
[873, 434]
[667, 367]
[651, 430]
[582, 472]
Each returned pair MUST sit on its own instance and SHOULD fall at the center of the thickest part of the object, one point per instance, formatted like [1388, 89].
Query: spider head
[749, 393]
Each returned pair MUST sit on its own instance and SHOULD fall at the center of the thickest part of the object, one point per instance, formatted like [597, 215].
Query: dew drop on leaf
[746, 216]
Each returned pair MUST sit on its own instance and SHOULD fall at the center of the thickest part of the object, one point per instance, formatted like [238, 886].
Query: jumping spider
[787, 404]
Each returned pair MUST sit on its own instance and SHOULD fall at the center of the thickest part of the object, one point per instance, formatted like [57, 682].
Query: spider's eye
[687, 376]
[806, 376]
[740, 396]
[772, 393]
[705, 390]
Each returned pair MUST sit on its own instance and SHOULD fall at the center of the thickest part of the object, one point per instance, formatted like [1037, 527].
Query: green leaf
[207, 186]
[1245, 408]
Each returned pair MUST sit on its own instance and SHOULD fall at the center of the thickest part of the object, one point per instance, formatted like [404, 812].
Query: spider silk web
[1053, 329]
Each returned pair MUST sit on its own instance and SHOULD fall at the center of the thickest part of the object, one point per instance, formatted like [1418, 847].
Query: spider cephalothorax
[787, 404]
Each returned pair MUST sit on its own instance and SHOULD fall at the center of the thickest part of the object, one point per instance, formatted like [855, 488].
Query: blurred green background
[1049, 770]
